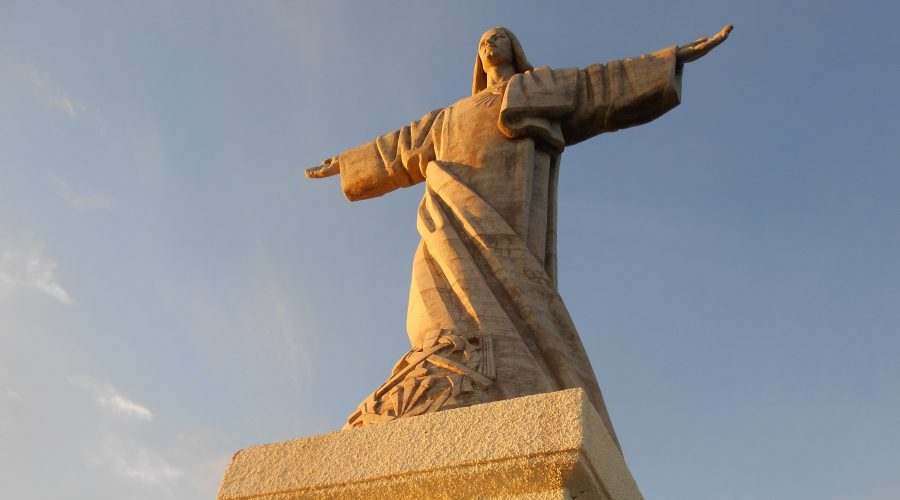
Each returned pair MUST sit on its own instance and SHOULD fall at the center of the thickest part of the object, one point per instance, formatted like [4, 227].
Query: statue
[485, 319]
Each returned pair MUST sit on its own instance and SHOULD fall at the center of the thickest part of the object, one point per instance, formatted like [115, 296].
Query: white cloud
[55, 97]
[80, 201]
[131, 460]
[30, 269]
[112, 402]
[8, 398]
[124, 407]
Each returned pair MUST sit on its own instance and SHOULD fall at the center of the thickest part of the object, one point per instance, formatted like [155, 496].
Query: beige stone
[548, 446]
[485, 319]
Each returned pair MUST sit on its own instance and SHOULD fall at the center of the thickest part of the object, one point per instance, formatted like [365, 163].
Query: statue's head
[497, 46]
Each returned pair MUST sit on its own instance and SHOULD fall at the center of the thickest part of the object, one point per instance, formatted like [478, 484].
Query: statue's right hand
[328, 168]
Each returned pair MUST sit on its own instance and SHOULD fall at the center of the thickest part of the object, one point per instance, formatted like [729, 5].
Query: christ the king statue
[485, 318]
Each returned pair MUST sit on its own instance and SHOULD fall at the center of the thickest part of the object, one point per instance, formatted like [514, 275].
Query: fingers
[714, 42]
[328, 168]
[694, 43]
[701, 46]
[722, 35]
[319, 172]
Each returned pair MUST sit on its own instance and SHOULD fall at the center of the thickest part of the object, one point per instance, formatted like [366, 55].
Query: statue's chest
[471, 135]
[498, 168]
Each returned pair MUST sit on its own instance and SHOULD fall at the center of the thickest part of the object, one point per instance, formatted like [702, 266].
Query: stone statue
[485, 319]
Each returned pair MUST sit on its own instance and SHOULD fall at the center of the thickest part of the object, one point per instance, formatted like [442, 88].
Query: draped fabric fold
[485, 319]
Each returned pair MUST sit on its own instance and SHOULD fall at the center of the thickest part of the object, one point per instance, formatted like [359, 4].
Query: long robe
[485, 319]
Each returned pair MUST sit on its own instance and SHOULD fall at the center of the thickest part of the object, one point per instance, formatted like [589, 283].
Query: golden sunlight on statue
[485, 319]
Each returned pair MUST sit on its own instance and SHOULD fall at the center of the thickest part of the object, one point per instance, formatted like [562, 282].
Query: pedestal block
[546, 446]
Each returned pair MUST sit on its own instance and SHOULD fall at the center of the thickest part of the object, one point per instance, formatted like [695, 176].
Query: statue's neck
[498, 74]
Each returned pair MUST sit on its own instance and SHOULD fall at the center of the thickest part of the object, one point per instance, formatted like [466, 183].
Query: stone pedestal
[547, 446]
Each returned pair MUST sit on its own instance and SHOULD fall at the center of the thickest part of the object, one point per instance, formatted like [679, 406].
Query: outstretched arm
[389, 162]
[632, 91]
[701, 46]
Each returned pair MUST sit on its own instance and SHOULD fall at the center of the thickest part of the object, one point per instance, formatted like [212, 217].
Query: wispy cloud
[77, 200]
[54, 97]
[29, 268]
[131, 460]
[116, 447]
[8, 398]
[112, 402]
[13, 395]
[125, 407]
[5, 391]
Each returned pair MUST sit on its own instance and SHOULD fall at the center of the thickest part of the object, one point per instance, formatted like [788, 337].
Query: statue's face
[495, 49]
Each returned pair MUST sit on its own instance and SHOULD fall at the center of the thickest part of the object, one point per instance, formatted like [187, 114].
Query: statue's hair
[519, 62]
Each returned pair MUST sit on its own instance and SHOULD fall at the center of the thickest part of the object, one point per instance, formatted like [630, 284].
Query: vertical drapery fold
[485, 319]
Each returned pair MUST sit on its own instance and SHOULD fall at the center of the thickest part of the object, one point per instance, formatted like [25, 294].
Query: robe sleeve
[392, 161]
[623, 94]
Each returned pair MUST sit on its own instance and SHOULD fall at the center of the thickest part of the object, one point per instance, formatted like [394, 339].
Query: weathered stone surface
[548, 446]
[485, 319]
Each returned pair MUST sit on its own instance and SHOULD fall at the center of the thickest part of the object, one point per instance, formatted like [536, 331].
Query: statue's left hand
[700, 47]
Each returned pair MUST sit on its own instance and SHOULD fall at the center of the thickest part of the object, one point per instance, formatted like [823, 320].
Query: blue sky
[172, 289]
